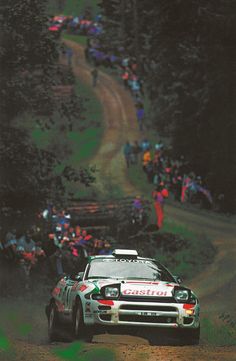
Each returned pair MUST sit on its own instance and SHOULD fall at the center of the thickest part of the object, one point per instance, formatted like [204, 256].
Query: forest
[185, 52]
[186, 56]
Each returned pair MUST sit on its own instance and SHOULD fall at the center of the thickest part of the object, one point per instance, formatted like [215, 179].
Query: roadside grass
[195, 253]
[139, 180]
[78, 351]
[83, 144]
[217, 333]
[4, 342]
[79, 39]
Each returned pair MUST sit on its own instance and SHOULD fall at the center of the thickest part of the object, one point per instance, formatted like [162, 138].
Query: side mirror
[76, 277]
[178, 279]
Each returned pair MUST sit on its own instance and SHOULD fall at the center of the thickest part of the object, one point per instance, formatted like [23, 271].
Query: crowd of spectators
[163, 171]
[126, 67]
[56, 246]
[76, 25]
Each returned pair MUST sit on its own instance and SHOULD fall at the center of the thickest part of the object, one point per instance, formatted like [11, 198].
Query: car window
[128, 269]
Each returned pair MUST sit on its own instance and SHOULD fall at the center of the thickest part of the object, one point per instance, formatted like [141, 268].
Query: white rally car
[123, 289]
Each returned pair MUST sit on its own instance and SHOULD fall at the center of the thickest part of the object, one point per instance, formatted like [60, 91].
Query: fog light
[190, 312]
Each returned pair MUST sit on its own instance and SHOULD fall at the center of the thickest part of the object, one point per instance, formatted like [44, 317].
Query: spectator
[145, 145]
[158, 204]
[146, 158]
[140, 117]
[69, 55]
[125, 77]
[127, 153]
[136, 151]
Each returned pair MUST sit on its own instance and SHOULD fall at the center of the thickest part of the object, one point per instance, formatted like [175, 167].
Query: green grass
[171, 226]
[4, 342]
[79, 39]
[139, 179]
[83, 144]
[217, 333]
[77, 352]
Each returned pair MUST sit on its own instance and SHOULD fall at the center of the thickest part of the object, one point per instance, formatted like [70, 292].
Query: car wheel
[80, 330]
[53, 322]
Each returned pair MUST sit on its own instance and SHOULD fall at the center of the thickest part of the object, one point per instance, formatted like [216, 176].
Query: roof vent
[125, 253]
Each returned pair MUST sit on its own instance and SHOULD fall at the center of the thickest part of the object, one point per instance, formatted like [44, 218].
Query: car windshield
[128, 269]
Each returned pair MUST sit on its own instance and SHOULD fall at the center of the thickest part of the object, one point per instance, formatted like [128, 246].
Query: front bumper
[151, 314]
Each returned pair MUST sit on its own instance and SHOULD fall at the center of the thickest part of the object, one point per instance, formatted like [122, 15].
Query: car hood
[135, 288]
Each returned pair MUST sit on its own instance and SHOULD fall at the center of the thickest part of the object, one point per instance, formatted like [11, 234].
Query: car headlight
[112, 292]
[181, 295]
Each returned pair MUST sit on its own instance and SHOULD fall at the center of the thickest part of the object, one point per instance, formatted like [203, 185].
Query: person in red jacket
[159, 195]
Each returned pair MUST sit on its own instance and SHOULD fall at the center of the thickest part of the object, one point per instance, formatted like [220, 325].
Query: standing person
[185, 185]
[146, 158]
[125, 77]
[158, 204]
[69, 55]
[127, 153]
[140, 116]
[94, 74]
[136, 151]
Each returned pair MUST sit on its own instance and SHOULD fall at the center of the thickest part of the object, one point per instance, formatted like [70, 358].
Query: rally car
[123, 289]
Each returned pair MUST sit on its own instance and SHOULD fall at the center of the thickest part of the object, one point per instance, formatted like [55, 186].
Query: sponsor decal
[144, 292]
[56, 291]
[82, 288]
[127, 260]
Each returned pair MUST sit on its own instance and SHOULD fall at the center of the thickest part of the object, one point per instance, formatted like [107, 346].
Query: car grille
[148, 308]
[147, 319]
[147, 299]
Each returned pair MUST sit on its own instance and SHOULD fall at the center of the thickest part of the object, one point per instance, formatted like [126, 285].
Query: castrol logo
[144, 292]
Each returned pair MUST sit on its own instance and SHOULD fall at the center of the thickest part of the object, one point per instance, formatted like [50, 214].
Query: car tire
[53, 322]
[81, 332]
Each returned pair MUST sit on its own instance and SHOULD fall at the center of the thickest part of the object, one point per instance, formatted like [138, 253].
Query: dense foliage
[29, 70]
[186, 55]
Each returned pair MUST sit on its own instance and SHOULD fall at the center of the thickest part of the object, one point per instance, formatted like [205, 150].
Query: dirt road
[121, 124]
[216, 286]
